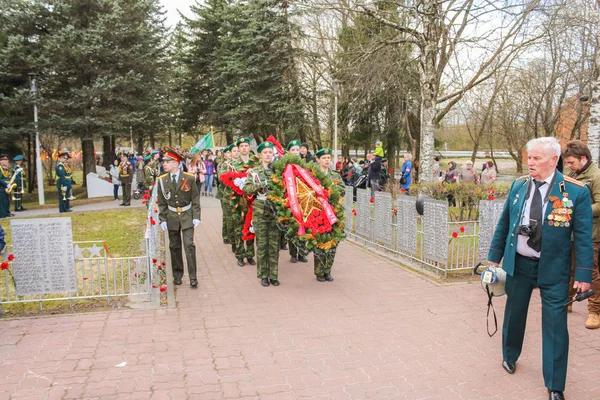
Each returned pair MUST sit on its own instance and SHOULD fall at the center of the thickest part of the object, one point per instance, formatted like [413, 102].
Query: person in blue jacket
[542, 212]
[407, 171]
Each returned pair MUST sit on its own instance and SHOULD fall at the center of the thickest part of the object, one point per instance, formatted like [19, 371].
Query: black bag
[402, 180]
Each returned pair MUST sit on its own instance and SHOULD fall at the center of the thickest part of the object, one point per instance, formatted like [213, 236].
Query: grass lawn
[123, 231]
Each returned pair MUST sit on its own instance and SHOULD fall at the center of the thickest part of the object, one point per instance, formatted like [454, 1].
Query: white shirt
[522, 247]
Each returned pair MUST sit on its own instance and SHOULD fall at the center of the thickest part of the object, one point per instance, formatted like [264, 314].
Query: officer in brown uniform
[126, 177]
[179, 213]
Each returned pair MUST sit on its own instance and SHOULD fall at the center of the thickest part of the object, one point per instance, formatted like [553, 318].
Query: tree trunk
[89, 161]
[108, 151]
[594, 121]
[427, 139]
[140, 144]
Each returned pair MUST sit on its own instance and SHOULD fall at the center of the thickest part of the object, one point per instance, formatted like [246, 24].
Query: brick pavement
[377, 332]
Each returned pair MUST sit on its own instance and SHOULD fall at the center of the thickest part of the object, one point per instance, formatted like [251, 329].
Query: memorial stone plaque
[489, 214]
[406, 224]
[363, 213]
[435, 231]
[44, 259]
[383, 218]
[348, 206]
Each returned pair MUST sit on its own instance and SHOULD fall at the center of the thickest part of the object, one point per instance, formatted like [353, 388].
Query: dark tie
[174, 180]
[535, 217]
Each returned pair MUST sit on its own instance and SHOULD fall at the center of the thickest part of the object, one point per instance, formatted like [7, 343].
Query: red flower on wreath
[354, 212]
[318, 222]
[462, 229]
[85, 278]
[490, 197]
[454, 234]
[159, 267]
[146, 196]
[395, 211]
[11, 257]
[154, 260]
[372, 199]
[4, 265]
[152, 221]
[163, 288]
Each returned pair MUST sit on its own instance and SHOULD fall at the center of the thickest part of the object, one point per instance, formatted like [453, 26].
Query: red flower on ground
[163, 263]
[152, 221]
[135, 275]
[85, 278]
[462, 229]
[403, 190]
[395, 212]
[143, 202]
[11, 257]
[454, 234]
[4, 265]
[490, 197]
[163, 288]
[155, 286]
[354, 212]
[372, 199]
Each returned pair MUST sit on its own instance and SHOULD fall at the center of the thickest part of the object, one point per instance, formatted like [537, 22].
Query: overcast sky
[171, 7]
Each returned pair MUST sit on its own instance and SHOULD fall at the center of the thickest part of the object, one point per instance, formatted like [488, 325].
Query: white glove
[251, 229]
[64, 188]
[196, 222]
[239, 182]
[163, 225]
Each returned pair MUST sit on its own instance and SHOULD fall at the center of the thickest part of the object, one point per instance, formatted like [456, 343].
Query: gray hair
[548, 143]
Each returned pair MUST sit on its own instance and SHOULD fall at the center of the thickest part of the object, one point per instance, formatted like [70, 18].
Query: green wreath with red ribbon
[323, 228]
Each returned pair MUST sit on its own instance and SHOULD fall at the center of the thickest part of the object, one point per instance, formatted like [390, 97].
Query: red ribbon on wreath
[228, 179]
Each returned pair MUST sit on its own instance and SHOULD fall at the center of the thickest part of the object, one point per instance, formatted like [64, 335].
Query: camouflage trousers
[324, 261]
[227, 223]
[268, 239]
[242, 249]
[295, 251]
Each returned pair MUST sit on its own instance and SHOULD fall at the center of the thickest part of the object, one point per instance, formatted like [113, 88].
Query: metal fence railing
[430, 240]
[98, 275]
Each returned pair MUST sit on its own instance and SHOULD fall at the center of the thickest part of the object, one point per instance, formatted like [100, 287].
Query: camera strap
[490, 305]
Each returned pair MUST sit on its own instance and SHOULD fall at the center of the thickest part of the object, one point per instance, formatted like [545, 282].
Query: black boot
[264, 282]
[294, 260]
[283, 246]
[274, 282]
[251, 261]
[302, 259]
[328, 277]
[320, 278]
[240, 262]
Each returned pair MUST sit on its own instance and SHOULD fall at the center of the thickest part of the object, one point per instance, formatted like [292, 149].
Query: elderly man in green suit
[542, 212]
[179, 213]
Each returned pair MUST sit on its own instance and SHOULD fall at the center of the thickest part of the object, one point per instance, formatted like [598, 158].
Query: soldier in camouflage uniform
[221, 169]
[243, 249]
[264, 219]
[324, 259]
[295, 253]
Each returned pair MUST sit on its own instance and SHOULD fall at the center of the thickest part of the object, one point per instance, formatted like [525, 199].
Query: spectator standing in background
[305, 154]
[407, 169]
[114, 175]
[468, 173]
[488, 176]
[209, 165]
[139, 172]
[437, 172]
[374, 174]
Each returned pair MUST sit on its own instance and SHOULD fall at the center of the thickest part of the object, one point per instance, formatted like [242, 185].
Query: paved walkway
[377, 332]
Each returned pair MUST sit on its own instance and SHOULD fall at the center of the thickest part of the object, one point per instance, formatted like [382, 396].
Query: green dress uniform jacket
[551, 273]
[63, 179]
[21, 182]
[5, 175]
[591, 178]
[126, 177]
[264, 222]
[178, 206]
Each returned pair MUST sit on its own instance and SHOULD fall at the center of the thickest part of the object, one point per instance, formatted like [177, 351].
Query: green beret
[293, 143]
[324, 152]
[265, 145]
[18, 158]
[242, 140]
[228, 148]
[147, 158]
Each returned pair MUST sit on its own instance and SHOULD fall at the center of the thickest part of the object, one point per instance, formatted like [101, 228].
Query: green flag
[207, 142]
